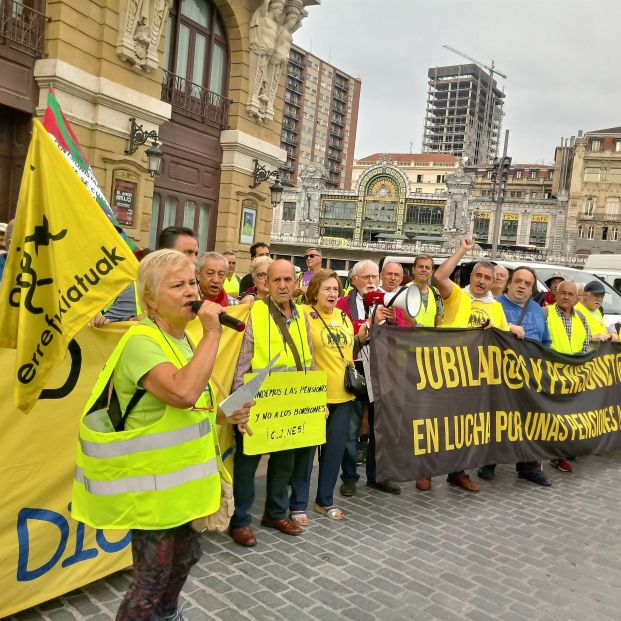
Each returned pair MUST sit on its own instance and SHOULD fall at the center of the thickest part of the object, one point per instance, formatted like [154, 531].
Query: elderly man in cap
[590, 307]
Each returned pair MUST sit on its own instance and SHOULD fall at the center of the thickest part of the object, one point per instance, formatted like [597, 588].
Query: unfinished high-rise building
[464, 113]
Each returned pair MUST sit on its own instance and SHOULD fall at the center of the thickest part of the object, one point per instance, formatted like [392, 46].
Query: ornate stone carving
[141, 23]
[271, 33]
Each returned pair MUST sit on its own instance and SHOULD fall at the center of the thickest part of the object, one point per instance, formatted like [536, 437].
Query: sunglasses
[311, 256]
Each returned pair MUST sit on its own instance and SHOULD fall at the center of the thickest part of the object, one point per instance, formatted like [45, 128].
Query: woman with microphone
[157, 470]
[333, 345]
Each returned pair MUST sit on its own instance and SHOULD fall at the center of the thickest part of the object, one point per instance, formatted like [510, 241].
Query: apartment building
[319, 118]
[463, 114]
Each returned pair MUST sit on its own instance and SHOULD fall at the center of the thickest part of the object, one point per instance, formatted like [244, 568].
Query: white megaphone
[407, 299]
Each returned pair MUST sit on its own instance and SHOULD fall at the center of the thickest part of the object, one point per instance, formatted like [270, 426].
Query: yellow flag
[66, 262]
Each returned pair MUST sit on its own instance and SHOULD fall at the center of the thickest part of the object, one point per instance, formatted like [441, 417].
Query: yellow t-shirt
[461, 311]
[326, 353]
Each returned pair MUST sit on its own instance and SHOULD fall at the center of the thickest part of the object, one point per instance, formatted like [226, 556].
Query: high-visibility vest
[558, 334]
[427, 314]
[596, 323]
[268, 341]
[155, 477]
[231, 285]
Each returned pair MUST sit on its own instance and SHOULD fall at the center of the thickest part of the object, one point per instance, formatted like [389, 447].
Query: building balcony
[292, 85]
[289, 140]
[335, 131]
[340, 96]
[295, 73]
[22, 27]
[290, 125]
[334, 155]
[297, 60]
[335, 143]
[292, 99]
[195, 101]
[291, 112]
[338, 119]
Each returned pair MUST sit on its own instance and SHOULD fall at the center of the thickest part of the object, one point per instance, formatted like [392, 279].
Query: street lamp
[500, 175]
[276, 192]
[139, 136]
[261, 174]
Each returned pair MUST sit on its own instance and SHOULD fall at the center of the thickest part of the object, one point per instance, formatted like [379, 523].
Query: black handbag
[354, 382]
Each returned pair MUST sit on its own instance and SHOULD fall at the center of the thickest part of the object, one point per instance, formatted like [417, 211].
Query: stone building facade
[411, 203]
[590, 179]
[205, 75]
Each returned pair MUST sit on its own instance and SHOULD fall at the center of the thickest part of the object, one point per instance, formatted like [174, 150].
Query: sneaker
[486, 472]
[539, 477]
[561, 464]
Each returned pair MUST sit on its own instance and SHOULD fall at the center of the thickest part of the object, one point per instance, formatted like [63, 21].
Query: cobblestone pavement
[514, 551]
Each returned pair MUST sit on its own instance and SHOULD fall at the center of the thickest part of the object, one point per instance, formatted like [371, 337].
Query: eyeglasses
[367, 277]
[261, 275]
[311, 256]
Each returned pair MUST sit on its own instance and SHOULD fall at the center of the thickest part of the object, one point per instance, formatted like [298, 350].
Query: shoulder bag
[354, 382]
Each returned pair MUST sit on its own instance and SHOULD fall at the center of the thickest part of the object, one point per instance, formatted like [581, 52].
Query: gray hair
[258, 262]
[488, 265]
[361, 264]
[211, 255]
[152, 269]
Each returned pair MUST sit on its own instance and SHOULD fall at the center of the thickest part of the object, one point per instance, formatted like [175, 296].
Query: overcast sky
[562, 59]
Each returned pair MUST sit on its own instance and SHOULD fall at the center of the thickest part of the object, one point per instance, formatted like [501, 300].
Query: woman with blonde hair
[333, 346]
[157, 468]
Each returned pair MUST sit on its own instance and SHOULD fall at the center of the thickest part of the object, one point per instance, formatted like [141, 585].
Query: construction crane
[487, 116]
[491, 69]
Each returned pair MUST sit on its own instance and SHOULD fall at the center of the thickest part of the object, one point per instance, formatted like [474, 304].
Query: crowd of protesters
[315, 325]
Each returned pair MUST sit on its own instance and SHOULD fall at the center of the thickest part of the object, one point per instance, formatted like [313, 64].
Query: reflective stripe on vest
[150, 442]
[148, 482]
[154, 477]
[268, 341]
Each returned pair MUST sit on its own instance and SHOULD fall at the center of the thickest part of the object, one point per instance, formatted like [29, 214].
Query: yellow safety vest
[596, 324]
[268, 341]
[558, 334]
[427, 314]
[155, 477]
[231, 285]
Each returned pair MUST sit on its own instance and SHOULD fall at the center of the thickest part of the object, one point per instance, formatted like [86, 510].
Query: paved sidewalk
[514, 551]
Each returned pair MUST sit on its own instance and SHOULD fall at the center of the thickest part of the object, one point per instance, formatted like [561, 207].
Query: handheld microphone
[225, 320]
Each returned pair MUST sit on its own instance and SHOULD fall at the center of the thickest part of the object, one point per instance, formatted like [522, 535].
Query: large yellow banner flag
[66, 262]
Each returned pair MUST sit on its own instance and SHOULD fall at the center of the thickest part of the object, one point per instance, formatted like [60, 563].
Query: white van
[607, 267]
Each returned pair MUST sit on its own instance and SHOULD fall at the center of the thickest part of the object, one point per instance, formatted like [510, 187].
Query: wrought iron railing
[195, 101]
[22, 27]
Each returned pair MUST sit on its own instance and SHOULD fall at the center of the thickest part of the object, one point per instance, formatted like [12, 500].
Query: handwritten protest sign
[289, 412]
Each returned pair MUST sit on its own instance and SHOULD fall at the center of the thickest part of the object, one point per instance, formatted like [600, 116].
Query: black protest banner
[450, 399]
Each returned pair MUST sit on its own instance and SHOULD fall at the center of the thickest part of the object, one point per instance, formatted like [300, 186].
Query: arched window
[196, 61]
